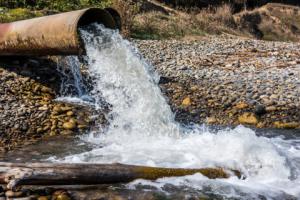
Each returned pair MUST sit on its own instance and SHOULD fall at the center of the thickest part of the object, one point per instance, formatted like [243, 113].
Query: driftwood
[46, 174]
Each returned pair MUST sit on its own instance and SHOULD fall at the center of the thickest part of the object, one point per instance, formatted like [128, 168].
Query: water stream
[142, 131]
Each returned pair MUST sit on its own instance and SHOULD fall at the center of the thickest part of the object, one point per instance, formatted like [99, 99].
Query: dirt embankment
[270, 22]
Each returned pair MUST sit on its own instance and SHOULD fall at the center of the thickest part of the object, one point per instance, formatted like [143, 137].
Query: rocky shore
[229, 81]
[214, 80]
[28, 110]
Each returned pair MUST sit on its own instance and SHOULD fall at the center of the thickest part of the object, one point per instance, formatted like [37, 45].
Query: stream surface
[142, 131]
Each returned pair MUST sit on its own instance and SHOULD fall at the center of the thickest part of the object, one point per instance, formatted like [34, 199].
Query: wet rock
[271, 108]
[62, 197]
[186, 102]
[260, 110]
[12, 194]
[289, 125]
[44, 198]
[70, 125]
[70, 113]
[241, 105]
[211, 120]
[248, 118]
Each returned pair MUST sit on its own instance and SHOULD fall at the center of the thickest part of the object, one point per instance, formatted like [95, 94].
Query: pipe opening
[96, 15]
[116, 16]
[93, 15]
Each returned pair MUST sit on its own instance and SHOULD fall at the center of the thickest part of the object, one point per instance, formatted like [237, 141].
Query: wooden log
[18, 174]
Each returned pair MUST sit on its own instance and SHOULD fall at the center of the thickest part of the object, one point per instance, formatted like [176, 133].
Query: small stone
[254, 50]
[39, 130]
[186, 102]
[66, 132]
[194, 88]
[36, 88]
[46, 89]
[69, 125]
[52, 133]
[57, 109]
[10, 193]
[47, 127]
[66, 108]
[271, 108]
[268, 102]
[289, 125]
[260, 109]
[211, 120]
[273, 96]
[82, 126]
[241, 105]
[70, 113]
[63, 197]
[43, 198]
[248, 118]
[43, 108]
[260, 125]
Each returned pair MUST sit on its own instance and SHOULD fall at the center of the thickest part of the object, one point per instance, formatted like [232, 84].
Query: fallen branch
[19, 174]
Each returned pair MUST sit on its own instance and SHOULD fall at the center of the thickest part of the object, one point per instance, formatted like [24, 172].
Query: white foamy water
[143, 131]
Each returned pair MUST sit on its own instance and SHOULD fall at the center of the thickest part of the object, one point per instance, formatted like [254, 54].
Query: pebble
[211, 120]
[224, 74]
[248, 118]
[260, 109]
[69, 125]
[10, 193]
[187, 101]
[27, 108]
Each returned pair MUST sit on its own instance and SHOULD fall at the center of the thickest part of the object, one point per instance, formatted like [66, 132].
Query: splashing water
[143, 131]
[72, 82]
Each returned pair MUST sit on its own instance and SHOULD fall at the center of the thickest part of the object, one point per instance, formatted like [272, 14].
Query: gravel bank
[28, 110]
[229, 81]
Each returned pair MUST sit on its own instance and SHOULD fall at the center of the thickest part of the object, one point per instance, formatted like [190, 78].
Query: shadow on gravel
[41, 69]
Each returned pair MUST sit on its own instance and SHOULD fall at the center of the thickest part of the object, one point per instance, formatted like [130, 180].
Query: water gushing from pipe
[142, 130]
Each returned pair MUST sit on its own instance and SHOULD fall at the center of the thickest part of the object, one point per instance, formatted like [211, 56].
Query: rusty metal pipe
[51, 35]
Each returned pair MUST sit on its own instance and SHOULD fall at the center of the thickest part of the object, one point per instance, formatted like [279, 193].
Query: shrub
[216, 19]
[128, 10]
[17, 14]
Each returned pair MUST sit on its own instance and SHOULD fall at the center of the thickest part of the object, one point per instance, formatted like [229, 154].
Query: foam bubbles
[143, 131]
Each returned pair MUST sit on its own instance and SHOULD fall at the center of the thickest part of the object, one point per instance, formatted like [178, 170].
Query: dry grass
[128, 10]
[217, 19]
[157, 25]
[270, 22]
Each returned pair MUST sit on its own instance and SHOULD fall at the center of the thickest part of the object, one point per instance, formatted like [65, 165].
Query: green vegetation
[57, 5]
[9, 15]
